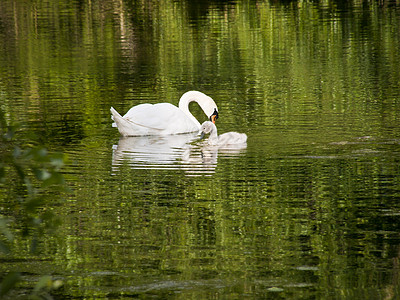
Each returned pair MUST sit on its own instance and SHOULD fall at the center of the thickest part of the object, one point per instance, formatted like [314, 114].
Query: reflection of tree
[160, 54]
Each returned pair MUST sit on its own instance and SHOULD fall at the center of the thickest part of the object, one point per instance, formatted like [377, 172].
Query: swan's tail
[124, 126]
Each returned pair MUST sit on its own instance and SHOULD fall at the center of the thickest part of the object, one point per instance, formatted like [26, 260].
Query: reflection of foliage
[305, 72]
[26, 209]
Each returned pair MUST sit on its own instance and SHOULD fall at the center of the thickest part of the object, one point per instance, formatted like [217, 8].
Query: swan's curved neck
[184, 105]
[185, 109]
[205, 102]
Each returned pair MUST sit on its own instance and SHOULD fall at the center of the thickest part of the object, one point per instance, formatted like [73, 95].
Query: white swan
[164, 118]
[228, 138]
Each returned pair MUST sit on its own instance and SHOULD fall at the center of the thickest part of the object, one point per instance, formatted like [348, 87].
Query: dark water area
[308, 209]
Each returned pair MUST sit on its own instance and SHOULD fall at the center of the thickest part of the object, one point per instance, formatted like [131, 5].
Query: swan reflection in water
[174, 152]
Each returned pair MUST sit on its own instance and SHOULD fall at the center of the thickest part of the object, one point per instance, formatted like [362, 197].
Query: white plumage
[228, 138]
[164, 118]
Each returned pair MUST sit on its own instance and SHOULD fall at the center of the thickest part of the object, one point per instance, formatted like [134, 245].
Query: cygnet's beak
[202, 134]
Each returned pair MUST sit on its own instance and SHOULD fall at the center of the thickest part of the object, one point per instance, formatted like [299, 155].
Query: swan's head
[214, 116]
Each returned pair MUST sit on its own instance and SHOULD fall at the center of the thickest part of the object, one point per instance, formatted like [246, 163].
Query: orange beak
[214, 116]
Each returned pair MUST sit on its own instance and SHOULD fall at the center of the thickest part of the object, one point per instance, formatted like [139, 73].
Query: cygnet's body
[228, 138]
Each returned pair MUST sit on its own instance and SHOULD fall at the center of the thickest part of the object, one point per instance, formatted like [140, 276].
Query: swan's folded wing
[162, 116]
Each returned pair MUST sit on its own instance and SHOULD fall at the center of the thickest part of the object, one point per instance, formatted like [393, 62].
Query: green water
[308, 210]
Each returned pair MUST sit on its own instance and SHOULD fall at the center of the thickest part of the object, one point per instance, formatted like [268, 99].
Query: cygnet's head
[207, 127]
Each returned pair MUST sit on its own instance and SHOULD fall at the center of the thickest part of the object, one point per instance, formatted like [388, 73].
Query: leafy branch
[31, 182]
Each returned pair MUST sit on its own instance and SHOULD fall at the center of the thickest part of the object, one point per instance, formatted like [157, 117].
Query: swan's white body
[228, 138]
[164, 118]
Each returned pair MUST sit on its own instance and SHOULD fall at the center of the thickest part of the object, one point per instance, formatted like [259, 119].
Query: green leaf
[54, 179]
[57, 160]
[34, 203]
[4, 248]
[44, 282]
[17, 152]
[57, 284]
[42, 174]
[9, 281]
[4, 228]
[11, 132]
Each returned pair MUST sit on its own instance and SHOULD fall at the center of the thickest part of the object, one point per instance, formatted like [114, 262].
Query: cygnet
[228, 138]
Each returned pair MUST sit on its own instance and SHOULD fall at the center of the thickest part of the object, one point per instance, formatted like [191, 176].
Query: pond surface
[308, 209]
